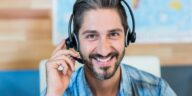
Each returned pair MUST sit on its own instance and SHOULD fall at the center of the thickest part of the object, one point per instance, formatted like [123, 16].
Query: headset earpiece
[127, 37]
[72, 40]
[130, 37]
[73, 43]
[68, 43]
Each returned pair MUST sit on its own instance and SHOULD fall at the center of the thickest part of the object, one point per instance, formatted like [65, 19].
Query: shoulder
[147, 82]
[140, 76]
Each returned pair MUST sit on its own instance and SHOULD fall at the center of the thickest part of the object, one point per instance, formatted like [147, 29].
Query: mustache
[96, 55]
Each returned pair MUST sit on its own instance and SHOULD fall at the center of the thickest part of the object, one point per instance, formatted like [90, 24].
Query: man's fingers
[75, 52]
[64, 67]
[60, 46]
[55, 64]
[60, 65]
[68, 60]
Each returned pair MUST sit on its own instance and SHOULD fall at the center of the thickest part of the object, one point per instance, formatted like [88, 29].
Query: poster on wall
[157, 21]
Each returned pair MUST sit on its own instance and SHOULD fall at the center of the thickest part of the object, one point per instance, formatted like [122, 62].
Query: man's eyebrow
[89, 31]
[116, 30]
[94, 31]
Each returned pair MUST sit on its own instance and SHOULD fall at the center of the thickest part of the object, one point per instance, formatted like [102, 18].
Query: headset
[130, 37]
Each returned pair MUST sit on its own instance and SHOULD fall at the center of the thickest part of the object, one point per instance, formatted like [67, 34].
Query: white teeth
[104, 60]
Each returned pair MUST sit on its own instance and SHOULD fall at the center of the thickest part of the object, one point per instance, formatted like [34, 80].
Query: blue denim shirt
[134, 82]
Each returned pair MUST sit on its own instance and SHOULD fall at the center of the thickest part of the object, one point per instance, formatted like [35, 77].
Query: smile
[103, 60]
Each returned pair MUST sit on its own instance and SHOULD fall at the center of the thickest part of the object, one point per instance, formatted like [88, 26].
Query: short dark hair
[82, 6]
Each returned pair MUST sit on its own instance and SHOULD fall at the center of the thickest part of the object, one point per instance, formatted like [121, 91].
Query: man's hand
[59, 69]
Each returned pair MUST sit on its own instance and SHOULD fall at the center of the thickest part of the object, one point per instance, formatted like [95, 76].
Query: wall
[25, 33]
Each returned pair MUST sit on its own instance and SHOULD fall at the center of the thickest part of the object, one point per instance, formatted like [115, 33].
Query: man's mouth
[103, 60]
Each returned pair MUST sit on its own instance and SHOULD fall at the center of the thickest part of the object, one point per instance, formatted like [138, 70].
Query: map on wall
[157, 21]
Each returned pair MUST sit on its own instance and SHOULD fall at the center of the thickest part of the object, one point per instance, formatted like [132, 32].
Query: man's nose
[104, 46]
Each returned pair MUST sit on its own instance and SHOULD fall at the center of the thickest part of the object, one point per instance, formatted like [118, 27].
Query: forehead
[101, 20]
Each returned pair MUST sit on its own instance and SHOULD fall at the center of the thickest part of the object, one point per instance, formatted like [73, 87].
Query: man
[100, 26]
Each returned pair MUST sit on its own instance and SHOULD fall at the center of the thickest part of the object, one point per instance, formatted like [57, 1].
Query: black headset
[72, 40]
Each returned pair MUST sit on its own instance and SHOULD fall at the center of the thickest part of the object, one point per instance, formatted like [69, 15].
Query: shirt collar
[125, 84]
[83, 85]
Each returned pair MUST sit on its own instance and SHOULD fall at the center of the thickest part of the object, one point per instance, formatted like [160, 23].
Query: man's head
[100, 27]
[82, 6]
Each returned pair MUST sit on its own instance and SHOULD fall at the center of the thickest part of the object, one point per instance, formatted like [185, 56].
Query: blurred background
[27, 37]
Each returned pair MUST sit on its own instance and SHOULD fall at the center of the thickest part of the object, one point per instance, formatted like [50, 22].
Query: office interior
[26, 39]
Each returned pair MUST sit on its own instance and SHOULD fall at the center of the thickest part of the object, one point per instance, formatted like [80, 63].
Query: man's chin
[105, 73]
[105, 76]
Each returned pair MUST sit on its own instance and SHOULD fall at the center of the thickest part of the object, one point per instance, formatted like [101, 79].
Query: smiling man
[106, 37]
[100, 27]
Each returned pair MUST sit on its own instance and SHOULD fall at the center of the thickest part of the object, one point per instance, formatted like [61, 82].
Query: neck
[107, 87]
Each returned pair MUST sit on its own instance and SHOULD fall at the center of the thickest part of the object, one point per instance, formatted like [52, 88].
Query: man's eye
[91, 37]
[114, 35]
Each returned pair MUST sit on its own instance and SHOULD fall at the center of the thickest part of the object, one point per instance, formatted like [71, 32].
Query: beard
[107, 71]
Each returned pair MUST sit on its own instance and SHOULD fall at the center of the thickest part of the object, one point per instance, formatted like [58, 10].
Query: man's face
[101, 39]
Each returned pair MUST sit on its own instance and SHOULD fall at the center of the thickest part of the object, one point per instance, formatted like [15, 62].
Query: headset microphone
[78, 59]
